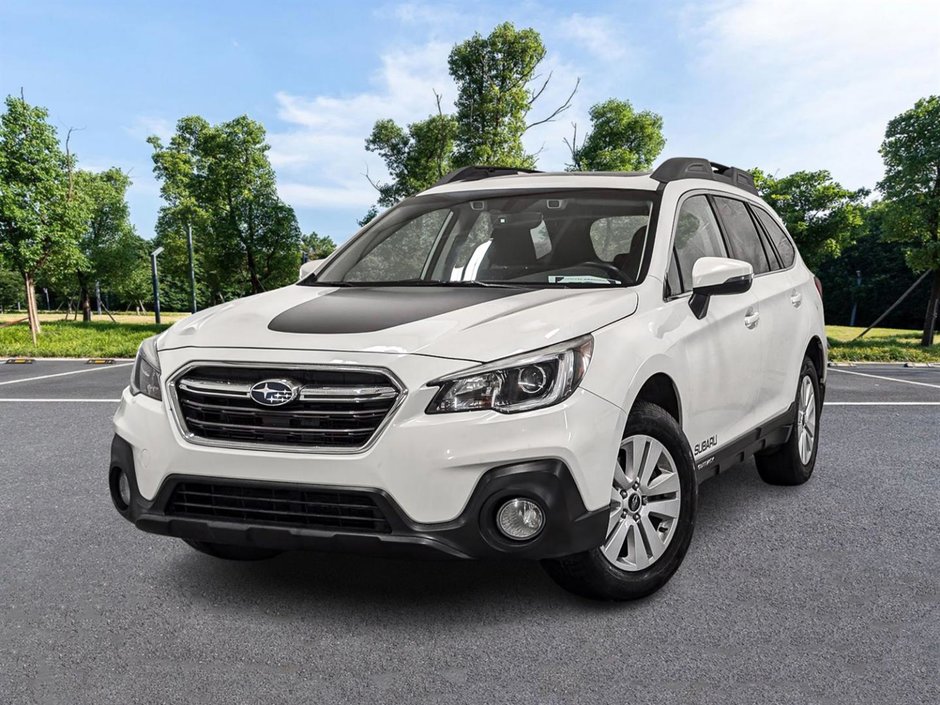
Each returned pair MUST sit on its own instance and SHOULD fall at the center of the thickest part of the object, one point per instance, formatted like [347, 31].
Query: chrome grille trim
[312, 394]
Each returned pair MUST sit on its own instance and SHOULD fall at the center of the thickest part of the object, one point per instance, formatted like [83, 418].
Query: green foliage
[218, 180]
[318, 246]
[620, 139]
[494, 95]
[911, 185]
[110, 251]
[11, 289]
[415, 158]
[496, 89]
[885, 276]
[368, 217]
[41, 212]
[821, 215]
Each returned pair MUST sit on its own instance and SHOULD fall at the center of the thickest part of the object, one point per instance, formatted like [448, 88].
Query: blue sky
[782, 84]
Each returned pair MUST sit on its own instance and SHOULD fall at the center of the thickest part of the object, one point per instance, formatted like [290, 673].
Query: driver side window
[697, 236]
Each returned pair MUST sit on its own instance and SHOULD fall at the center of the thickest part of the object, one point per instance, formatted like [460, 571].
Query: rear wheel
[793, 462]
[232, 552]
[652, 514]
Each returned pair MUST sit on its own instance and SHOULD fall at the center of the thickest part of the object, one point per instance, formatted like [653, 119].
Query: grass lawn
[76, 339]
[879, 345]
[102, 338]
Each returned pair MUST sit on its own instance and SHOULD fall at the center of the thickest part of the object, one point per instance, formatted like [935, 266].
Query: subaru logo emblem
[274, 392]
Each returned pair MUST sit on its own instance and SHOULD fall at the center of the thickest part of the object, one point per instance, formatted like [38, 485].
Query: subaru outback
[510, 364]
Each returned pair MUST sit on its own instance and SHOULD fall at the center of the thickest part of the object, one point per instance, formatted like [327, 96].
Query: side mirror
[310, 267]
[717, 276]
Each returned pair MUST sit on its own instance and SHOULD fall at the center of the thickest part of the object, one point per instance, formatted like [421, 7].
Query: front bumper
[569, 528]
[430, 464]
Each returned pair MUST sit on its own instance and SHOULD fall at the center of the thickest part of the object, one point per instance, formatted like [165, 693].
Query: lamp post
[192, 268]
[156, 284]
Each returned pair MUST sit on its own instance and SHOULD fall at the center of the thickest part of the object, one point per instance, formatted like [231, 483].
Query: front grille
[334, 409]
[278, 506]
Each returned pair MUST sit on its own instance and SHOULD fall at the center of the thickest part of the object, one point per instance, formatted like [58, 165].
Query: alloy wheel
[644, 504]
[806, 420]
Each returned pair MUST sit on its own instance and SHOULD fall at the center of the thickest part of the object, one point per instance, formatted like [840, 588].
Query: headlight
[520, 383]
[145, 378]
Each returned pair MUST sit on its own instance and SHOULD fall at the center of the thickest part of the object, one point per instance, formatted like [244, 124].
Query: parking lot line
[59, 401]
[63, 374]
[882, 403]
[889, 379]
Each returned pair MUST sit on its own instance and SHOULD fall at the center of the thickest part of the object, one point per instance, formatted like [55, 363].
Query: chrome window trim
[190, 437]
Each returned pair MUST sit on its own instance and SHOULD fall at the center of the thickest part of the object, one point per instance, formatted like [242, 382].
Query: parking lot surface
[824, 593]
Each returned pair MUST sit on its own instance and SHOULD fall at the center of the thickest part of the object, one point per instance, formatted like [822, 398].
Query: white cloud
[597, 35]
[813, 83]
[321, 154]
[146, 125]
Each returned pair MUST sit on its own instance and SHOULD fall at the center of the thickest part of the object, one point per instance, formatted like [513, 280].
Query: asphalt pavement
[824, 593]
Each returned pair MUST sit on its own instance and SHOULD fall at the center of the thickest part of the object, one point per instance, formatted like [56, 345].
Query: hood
[477, 324]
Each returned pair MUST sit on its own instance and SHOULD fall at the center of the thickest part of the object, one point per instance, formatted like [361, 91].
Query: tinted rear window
[742, 233]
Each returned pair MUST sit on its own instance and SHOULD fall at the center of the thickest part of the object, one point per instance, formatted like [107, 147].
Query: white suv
[514, 364]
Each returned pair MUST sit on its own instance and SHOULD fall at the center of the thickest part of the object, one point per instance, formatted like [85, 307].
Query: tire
[609, 572]
[793, 462]
[232, 552]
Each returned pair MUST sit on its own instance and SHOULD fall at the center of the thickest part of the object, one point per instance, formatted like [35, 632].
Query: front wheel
[793, 462]
[652, 514]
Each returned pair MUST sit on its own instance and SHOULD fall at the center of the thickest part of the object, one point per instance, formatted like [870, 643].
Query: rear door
[778, 314]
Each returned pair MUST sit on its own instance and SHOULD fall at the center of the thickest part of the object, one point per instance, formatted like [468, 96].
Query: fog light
[120, 485]
[520, 519]
[124, 489]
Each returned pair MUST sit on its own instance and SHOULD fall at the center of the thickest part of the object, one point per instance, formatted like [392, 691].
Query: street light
[156, 284]
[192, 268]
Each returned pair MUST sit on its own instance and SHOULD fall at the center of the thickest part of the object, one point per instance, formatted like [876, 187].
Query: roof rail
[475, 173]
[695, 168]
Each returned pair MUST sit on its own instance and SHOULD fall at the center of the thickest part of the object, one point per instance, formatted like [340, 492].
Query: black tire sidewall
[590, 574]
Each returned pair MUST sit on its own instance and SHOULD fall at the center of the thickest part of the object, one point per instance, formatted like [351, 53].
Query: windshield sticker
[577, 279]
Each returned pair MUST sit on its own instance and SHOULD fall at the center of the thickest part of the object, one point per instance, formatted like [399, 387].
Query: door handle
[796, 298]
[751, 319]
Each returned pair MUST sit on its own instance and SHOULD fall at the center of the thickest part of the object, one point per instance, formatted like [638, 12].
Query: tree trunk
[31, 313]
[256, 287]
[933, 307]
[85, 304]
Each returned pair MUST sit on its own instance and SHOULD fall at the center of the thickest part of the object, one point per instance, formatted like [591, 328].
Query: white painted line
[882, 403]
[889, 379]
[59, 401]
[63, 374]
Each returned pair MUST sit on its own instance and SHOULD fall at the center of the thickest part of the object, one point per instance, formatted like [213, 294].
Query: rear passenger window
[742, 234]
[781, 240]
[697, 235]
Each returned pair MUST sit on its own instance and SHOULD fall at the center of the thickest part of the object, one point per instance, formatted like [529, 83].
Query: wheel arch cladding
[814, 351]
[660, 390]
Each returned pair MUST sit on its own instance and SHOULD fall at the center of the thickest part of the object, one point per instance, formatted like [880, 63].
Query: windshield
[581, 238]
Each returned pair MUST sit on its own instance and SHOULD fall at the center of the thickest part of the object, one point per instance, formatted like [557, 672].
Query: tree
[495, 93]
[41, 212]
[110, 249]
[884, 277]
[217, 179]
[318, 246]
[497, 88]
[415, 157]
[620, 139]
[911, 187]
[822, 216]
